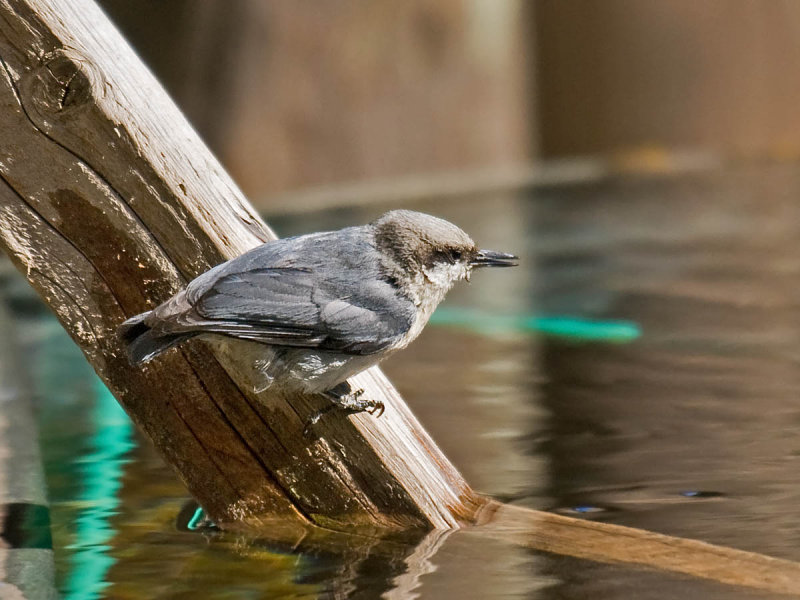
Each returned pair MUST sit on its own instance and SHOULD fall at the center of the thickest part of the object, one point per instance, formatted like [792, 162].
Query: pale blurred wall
[616, 74]
[292, 94]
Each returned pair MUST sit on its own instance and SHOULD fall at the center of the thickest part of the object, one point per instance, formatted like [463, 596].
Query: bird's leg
[342, 396]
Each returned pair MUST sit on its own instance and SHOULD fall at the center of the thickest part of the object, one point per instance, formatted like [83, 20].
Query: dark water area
[638, 368]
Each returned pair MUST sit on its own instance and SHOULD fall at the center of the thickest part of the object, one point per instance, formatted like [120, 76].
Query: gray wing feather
[279, 296]
[294, 292]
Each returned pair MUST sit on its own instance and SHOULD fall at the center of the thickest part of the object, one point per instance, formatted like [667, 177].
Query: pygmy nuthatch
[326, 305]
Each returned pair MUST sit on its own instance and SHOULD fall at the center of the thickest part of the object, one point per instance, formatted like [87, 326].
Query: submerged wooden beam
[615, 544]
[109, 203]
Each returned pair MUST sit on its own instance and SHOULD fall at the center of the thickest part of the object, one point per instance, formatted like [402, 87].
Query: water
[639, 368]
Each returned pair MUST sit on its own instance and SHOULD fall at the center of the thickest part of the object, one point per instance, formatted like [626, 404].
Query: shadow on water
[639, 369]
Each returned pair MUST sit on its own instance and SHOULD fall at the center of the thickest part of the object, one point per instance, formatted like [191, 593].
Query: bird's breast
[425, 304]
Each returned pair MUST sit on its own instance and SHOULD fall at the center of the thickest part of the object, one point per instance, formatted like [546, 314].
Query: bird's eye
[456, 254]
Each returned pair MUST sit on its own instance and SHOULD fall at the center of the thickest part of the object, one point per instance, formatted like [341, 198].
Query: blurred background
[640, 367]
[302, 94]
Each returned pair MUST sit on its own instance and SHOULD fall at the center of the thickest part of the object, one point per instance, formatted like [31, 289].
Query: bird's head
[430, 251]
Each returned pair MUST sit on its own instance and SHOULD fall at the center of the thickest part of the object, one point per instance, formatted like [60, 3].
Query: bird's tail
[141, 343]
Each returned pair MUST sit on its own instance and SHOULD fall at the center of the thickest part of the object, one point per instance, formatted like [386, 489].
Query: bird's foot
[348, 400]
[353, 402]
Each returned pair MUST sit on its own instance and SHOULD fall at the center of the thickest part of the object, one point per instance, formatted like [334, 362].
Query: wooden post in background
[109, 203]
[291, 94]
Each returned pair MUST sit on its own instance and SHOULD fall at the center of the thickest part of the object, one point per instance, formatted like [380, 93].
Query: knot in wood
[63, 82]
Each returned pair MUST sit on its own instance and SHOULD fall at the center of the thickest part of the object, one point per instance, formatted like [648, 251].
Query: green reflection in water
[571, 328]
[101, 471]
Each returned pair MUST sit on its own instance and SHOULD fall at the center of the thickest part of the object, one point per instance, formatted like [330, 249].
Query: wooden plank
[603, 542]
[109, 203]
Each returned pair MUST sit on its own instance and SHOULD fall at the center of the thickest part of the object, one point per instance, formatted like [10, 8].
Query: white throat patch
[426, 290]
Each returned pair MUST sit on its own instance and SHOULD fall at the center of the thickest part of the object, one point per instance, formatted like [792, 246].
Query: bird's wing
[369, 318]
[272, 305]
[298, 306]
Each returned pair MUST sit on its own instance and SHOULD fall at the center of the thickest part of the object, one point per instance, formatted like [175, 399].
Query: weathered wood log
[109, 203]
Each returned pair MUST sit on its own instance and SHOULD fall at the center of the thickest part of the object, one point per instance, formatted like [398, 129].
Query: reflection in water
[688, 428]
[86, 436]
[577, 329]
[418, 563]
[327, 564]
[101, 478]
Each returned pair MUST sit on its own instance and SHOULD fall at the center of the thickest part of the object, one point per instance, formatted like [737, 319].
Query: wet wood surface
[109, 204]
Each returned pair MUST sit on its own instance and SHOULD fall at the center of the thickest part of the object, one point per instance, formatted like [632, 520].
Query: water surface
[682, 422]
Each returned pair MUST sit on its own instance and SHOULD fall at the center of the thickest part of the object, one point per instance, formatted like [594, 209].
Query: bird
[321, 306]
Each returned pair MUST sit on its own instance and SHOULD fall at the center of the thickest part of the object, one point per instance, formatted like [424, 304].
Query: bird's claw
[350, 402]
[376, 410]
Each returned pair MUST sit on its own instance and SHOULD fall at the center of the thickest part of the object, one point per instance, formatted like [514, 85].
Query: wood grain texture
[109, 203]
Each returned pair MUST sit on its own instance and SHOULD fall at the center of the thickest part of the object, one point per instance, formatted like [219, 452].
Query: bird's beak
[490, 258]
